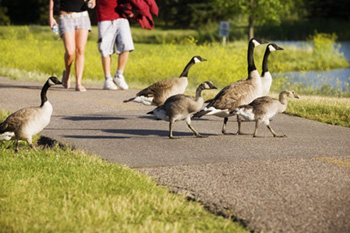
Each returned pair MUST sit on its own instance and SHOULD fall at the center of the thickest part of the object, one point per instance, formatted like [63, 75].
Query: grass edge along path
[63, 190]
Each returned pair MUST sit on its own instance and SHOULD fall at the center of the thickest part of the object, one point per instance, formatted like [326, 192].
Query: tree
[258, 11]
[325, 9]
[188, 14]
[25, 11]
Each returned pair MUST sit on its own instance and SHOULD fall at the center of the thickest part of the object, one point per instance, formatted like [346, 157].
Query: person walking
[114, 34]
[74, 26]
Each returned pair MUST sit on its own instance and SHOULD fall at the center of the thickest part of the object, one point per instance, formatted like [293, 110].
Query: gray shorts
[74, 21]
[113, 34]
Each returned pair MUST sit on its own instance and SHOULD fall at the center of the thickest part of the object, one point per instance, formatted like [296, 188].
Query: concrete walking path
[296, 184]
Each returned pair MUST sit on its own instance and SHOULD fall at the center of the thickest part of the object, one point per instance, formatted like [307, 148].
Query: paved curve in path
[296, 184]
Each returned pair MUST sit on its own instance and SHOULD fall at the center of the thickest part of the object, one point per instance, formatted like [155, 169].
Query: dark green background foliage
[287, 19]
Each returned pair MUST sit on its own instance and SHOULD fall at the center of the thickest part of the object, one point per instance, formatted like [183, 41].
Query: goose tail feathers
[2, 127]
[200, 113]
[128, 100]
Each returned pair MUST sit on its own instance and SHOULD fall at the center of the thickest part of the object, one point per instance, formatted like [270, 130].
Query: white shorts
[74, 21]
[114, 33]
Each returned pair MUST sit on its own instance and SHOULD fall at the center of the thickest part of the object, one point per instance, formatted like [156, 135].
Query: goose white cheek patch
[256, 43]
[51, 83]
[196, 60]
[271, 48]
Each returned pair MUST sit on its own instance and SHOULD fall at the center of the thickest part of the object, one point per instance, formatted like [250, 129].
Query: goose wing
[233, 95]
[177, 98]
[158, 87]
[161, 90]
[264, 105]
[15, 120]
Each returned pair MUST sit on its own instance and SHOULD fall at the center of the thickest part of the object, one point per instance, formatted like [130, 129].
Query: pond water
[339, 78]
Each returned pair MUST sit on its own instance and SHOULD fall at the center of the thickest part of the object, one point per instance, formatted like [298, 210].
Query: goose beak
[279, 48]
[214, 87]
[203, 59]
[295, 96]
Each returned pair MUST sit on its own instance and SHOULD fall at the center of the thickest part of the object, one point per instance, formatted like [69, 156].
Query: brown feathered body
[262, 109]
[157, 93]
[27, 122]
[181, 107]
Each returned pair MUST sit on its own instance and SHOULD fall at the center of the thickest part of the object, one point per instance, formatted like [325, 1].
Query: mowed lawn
[63, 190]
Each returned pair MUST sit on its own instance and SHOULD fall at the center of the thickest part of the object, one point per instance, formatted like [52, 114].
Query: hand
[92, 3]
[52, 22]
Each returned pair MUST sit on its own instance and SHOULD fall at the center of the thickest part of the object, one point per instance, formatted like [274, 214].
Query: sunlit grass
[331, 110]
[64, 190]
[36, 50]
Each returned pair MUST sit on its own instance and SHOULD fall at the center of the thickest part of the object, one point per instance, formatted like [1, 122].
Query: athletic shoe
[109, 85]
[120, 81]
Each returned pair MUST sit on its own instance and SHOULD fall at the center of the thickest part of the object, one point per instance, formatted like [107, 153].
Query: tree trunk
[251, 20]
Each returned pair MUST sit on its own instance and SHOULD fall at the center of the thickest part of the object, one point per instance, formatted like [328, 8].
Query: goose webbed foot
[280, 136]
[256, 136]
[172, 137]
[201, 136]
[225, 133]
[240, 133]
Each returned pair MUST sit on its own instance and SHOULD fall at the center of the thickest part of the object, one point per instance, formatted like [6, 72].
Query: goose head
[207, 85]
[194, 60]
[273, 47]
[53, 81]
[50, 82]
[257, 41]
[290, 94]
[198, 59]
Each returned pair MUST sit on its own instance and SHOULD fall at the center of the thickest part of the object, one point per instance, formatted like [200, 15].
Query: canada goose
[181, 107]
[238, 93]
[264, 108]
[266, 78]
[157, 93]
[26, 122]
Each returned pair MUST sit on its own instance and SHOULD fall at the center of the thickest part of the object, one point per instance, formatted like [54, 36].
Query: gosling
[263, 109]
[182, 107]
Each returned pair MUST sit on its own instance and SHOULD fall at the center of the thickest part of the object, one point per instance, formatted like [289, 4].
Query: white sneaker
[120, 81]
[109, 85]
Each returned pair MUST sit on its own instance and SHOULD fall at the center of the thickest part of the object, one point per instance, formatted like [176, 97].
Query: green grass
[64, 190]
[330, 110]
[34, 52]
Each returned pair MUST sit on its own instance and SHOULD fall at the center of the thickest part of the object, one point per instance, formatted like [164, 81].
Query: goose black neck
[264, 65]
[251, 64]
[43, 93]
[187, 68]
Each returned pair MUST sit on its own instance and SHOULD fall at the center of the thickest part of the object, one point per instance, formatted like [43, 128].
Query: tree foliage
[197, 13]
[26, 11]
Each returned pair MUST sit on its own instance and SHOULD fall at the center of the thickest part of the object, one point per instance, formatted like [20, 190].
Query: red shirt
[105, 10]
[140, 10]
